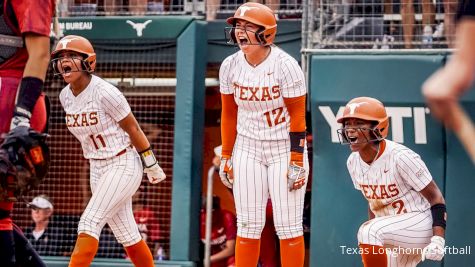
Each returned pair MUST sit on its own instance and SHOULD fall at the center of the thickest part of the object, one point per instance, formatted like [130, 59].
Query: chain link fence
[378, 24]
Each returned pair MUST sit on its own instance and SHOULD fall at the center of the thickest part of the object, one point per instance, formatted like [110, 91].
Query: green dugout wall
[395, 78]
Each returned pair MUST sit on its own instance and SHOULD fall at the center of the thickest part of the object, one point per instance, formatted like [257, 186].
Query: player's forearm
[137, 137]
[433, 195]
[225, 253]
[464, 56]
[438, 210]
[228, 124]
[38, 56]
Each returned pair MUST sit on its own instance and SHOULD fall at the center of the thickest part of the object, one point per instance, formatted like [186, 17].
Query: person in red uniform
[270, 252]
[24, 57]
[147, 220]
[223, 235]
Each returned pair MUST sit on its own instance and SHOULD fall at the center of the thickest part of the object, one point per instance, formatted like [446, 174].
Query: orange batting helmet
[77, 44]
[260, 15]
[368, 109]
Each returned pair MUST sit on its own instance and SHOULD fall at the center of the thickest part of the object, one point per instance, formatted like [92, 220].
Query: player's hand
[155, 173]
[295, 175]
[435, 250]
[226, 172]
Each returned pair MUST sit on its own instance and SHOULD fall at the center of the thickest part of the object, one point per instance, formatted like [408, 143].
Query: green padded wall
[188, 143]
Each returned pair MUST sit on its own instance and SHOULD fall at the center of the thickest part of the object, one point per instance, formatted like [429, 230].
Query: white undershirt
[38, 234]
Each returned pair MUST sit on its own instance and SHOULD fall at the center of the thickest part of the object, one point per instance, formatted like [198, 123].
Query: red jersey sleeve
[34, 16]
[229, 221]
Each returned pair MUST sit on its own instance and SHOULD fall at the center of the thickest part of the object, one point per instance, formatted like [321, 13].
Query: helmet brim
[365, 118]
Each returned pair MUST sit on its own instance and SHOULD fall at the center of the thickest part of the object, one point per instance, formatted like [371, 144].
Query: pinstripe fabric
[260, 172]
[113, 183]
[391, 184]
[259, 91]
[92, 118]
[409, 230]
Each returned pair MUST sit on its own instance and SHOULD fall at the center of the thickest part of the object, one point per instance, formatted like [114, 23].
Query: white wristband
[148, 158]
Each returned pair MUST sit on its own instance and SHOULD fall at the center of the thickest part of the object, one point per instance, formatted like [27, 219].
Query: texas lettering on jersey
[392, 183]
[249, 93]
[93, 116]
[259, 92]
[379, 191]
[82, 119]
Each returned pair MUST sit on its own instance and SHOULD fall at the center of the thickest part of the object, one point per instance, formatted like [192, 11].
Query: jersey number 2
[99, 138]
[399, 205]
[275, 114]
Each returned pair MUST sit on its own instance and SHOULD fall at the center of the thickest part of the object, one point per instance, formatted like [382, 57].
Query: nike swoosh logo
[270, 73]
[294, 244]
[385, 171]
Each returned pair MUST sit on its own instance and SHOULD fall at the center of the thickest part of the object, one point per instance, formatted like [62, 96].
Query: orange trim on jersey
[228, 124]
[296, 108]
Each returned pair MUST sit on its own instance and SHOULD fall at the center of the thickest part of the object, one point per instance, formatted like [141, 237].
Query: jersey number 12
[275, 117]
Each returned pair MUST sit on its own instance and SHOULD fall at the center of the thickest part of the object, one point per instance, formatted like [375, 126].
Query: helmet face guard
[59, 67]
[375, 135]
[230, 36]
[75, 44]
[367, 109]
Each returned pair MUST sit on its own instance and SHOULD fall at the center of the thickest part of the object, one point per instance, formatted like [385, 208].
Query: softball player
[407, 214]
[98, 115]
[263, 134]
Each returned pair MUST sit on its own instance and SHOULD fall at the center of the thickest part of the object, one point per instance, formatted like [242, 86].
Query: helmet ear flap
[383, 128]
[232, 34]
[260, 36]
[89, 64]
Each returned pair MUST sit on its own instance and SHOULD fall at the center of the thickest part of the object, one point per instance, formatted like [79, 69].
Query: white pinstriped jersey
[392, 183]
[93, 116]
[259, 91]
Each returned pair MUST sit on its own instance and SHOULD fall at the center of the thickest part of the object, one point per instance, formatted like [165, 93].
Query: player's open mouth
[353, 140]
[243, 41]
[67, 71]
